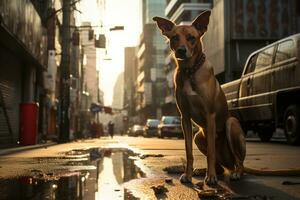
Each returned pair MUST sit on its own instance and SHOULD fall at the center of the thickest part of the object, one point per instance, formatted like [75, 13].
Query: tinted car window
[264, 58]
[251, 64]
[286, 50]
[171, 120]
[152, 122]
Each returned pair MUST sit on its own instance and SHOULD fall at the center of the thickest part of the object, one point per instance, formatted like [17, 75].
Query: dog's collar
[190, 71]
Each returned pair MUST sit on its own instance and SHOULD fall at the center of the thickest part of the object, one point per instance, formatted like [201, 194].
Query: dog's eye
[175, 38]
[191, 39]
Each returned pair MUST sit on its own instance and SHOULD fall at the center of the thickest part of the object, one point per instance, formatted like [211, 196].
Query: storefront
[22, 61]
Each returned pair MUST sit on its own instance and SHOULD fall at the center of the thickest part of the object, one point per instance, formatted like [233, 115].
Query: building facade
[91, 82]
[23, 57]
[185, 10]
[130, 77]
[240, 27]
[90, 91]
[118, 93]
[150, 56]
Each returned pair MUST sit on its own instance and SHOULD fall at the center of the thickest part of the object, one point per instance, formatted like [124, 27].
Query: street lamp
[101, 42]
[117, 28]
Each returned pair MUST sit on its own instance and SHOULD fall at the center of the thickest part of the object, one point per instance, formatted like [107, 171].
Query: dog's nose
[181, 51]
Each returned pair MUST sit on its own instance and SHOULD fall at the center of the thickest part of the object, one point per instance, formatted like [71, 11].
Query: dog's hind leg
[237, 145]
[201, 142]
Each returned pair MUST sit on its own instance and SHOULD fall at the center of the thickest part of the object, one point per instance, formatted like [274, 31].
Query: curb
[25, 148]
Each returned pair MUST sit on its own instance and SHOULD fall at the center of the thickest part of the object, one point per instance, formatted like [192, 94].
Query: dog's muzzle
[181, 53]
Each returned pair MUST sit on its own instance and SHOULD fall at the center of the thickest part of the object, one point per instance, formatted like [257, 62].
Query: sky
[117, 13]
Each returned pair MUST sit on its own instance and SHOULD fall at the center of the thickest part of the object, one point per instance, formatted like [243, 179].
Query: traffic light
[101, 42]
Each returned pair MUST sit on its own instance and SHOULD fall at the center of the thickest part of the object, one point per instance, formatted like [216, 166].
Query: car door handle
[248, 82]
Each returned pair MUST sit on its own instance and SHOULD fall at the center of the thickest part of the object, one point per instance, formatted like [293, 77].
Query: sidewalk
[17, 149]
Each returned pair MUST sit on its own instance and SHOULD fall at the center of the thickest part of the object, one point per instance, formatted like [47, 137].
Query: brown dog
[201, 101]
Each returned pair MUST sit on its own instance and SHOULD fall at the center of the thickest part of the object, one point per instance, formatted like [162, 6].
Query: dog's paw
[235, 176]
[184, 178]
[211, 179]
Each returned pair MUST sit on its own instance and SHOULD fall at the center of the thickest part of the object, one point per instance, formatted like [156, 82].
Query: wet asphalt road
[105, 169]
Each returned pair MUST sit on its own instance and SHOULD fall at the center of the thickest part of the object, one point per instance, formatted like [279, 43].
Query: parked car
[170, 126]
[151, 128]
[267, 96]
[136, 130]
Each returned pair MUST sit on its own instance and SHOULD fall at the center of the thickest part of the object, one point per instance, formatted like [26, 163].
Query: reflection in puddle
[30, 188]
[116, 169]
[106, 182]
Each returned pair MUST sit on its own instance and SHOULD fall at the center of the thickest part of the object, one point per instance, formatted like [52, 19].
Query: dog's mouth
[180, 56]
[183, 55]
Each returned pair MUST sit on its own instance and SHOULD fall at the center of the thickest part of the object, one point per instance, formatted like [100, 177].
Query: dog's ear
[201, 22]
[164, 25]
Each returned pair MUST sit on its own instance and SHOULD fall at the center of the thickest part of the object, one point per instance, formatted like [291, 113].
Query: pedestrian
[111, 129]
[93, 129]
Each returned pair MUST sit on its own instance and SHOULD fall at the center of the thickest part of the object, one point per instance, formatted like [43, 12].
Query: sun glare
[110, 62]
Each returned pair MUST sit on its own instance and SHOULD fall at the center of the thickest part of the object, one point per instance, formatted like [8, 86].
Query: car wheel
[161, 134]
[291, 124]
[180, 136]
[265, 133]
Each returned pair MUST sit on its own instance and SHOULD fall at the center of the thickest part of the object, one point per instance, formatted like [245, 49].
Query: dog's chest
[194, 98]
[187, 88]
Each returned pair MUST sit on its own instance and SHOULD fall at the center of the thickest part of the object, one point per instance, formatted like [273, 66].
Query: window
[171, 120]
[251, 64]
[264, 58]
[286, 50]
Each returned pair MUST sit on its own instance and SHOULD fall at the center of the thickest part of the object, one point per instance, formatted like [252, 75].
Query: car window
[286, 50]
[176, 120]
[171, 120]
[264, 58]
[152, 122]
[167, 120]
[251, 64]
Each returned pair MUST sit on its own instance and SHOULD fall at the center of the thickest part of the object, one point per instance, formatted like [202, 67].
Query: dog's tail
[272, 172]
[253, 171]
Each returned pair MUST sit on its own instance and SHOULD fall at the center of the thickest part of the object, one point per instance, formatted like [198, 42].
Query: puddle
[116, 168]
[100, 176]
[66, 187]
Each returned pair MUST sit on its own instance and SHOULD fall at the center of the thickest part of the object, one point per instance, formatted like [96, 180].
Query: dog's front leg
[188, 137]
[211, 177]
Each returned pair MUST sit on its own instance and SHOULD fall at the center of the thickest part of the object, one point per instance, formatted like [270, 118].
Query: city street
[92, 90]
[132, 168]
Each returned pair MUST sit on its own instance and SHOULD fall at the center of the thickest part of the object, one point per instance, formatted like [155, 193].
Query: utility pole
[64, 121]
